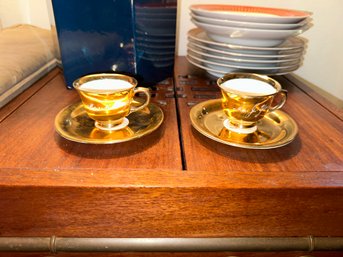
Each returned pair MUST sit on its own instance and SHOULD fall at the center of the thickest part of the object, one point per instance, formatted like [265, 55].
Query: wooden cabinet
[173, 183]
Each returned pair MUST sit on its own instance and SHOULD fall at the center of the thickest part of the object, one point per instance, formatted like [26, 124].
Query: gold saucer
[276, 129]
[74, 124]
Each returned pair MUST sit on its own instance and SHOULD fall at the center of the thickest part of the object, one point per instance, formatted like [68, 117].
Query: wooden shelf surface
[173, 182]
[318, 146]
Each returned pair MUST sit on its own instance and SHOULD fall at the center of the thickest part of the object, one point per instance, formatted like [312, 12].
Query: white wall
[13, 12]
[323, 63]
[38, 13]
[33, 12]
[50, 12]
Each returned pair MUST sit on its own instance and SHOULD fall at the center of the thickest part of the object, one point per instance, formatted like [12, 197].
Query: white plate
[245, 54]
[264, 71]
[223, 70]
[214, 72]
[246, 24]
[239, 64]
[248, 36]
[261, 52]
[292, 43]
[249, 13]
[217, 64]
[210, 54]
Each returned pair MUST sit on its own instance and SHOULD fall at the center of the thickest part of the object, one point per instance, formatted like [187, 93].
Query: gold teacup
[107, 98]
[247, 97]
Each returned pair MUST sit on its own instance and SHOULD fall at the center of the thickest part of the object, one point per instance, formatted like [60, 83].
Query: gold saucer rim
[201, 107]
[67, 110]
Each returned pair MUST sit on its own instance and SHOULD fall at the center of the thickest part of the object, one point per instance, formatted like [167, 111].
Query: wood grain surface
[159, 186]
[29, 141]
[318, 146]
[24, 96]
[169, 212]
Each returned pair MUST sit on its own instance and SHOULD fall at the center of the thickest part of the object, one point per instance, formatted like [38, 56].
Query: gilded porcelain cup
[108, 98]
[247, 97]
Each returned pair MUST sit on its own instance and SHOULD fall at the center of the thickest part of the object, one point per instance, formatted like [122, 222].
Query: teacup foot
[122, 125]
[240, 130]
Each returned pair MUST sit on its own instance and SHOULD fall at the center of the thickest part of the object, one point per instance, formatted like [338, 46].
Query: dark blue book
[131, 37]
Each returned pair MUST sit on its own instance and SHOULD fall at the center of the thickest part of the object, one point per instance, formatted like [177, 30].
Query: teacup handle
[147, 100]
[282, 101]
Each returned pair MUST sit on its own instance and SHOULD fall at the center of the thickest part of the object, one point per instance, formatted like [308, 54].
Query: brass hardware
[233, 244]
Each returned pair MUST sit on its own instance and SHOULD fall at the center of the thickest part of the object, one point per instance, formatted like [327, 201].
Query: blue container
[131, 37]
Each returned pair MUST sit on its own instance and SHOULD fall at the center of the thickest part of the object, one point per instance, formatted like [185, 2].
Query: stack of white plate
[155, 34]
[247, 39]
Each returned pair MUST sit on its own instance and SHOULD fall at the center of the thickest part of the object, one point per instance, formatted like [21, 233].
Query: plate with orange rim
[247, 24]
[248, 36]
[250, 13]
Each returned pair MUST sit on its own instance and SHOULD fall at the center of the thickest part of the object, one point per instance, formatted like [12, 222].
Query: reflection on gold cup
[107, 98]
[111, 134]
[247, 98]
[226, 134]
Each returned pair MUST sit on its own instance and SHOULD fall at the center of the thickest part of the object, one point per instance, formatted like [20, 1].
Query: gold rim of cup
[255, 76]
[80, 81]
